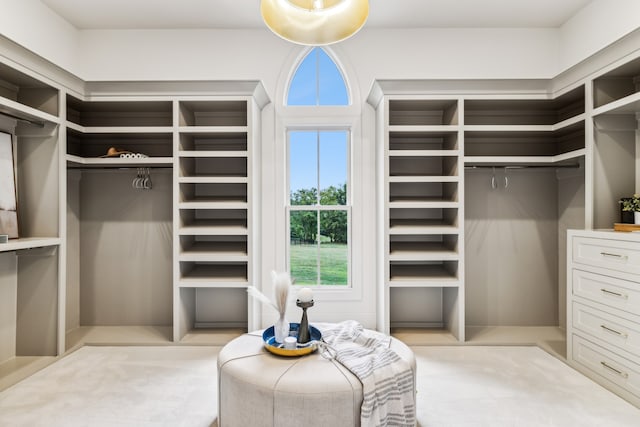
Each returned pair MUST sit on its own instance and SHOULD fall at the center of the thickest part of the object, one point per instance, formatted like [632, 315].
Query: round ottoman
[257, 388]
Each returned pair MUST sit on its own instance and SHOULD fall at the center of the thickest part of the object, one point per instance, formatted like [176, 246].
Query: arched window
[318, 153]
[317, 81]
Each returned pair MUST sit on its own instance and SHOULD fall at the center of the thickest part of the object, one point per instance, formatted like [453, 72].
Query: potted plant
[632, 204]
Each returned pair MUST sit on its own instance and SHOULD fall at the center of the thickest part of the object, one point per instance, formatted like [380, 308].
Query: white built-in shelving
[422, 218]
[616, 110]
[31, 311]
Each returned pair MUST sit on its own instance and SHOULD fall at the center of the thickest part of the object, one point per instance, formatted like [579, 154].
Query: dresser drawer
[620, 371]
[611, 329]
[617, 255]
[617, 293]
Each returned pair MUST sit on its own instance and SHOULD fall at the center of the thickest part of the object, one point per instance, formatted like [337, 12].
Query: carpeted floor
[176, 386]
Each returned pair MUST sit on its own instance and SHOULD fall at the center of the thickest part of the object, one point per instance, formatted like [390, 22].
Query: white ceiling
[202, 14]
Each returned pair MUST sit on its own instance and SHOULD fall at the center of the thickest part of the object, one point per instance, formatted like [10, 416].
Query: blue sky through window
[305, 172]
[317, 81]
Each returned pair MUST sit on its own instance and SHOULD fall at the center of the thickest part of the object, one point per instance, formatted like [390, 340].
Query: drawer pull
[614, 370]
[613, 331]
[615, 294]
[610, 255]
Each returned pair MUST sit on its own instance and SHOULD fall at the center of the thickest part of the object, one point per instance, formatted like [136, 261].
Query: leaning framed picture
[8, 196]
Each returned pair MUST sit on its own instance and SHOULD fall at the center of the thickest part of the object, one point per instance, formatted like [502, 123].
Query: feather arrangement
[281, 286]
[255, 293]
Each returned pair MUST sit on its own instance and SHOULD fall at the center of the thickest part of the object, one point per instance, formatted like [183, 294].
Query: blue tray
[270, 343]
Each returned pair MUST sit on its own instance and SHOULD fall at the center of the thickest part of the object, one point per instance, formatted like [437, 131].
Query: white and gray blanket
[387, 380]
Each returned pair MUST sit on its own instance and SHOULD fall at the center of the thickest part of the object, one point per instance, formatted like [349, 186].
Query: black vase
[626, 217]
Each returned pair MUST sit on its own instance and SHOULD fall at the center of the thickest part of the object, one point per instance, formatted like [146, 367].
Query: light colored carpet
[176, 386]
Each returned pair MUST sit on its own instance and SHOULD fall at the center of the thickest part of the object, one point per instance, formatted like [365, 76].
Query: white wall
[34, 26]
[596, 26]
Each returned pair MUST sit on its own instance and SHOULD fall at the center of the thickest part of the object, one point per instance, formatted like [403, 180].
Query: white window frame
[319, 118]
[317, 207]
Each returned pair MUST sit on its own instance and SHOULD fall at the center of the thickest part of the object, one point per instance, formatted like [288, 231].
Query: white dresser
[603, 309]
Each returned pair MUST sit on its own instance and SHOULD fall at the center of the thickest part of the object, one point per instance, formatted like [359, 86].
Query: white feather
[281, 285]
[255, 293]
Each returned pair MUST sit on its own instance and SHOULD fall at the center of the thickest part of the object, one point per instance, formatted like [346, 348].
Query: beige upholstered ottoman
[257, 388]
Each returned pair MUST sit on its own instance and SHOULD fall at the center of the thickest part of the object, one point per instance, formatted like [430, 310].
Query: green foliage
[631, 204]
[333, 224]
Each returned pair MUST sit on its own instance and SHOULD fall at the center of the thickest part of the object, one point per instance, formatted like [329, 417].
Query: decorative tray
[270, 343]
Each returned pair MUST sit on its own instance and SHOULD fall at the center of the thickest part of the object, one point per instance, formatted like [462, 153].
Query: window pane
[333, 248]
[303, 167]
[303, 247]
[333, 168]
[331, 86]
[303, 89]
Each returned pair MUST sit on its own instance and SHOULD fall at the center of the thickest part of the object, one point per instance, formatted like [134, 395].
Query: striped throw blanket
[387, 380]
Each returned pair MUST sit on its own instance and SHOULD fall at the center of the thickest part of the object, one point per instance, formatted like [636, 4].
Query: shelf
[426, 139]
[527, 112]
[212, 114]
[423, 204]
[212, 180]
[213, 154]
[111, 115]
[556, 160]
[27, 95]
[435, 129]
[434, 179]
[118, 162]
[628, 105]
[29, 243]
[409, 229]
[214, 251]
[616, 85]
[212, 282]
[95, 145]
[118, 335]
[435, 274]
[118, 129]
[423, 255]
[424, 153]
[202, 130]
[23, 112]
[213, 230]
[212, 205]
[428, 113]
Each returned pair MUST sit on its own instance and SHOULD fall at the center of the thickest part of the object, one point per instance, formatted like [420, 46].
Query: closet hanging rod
[40, 124]
[513, 167]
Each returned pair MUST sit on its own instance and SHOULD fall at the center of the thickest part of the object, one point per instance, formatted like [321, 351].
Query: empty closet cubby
[213, 273]
[525, 143]
[213, 192]
[214, 247]
[617, 84]
[525, 111]
[213, 113]
[420, 141]
[28, 92]
[426, 192]
[203, 309]
[119, 113]
[432, 308]
[412, 221]
[214, 142]
[423, 247]
[422, 165]
[423, 273]
[213, 221]
[233, 167]
[423, 112]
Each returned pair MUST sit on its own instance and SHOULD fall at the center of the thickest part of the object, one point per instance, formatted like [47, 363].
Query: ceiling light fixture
[314, 22]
